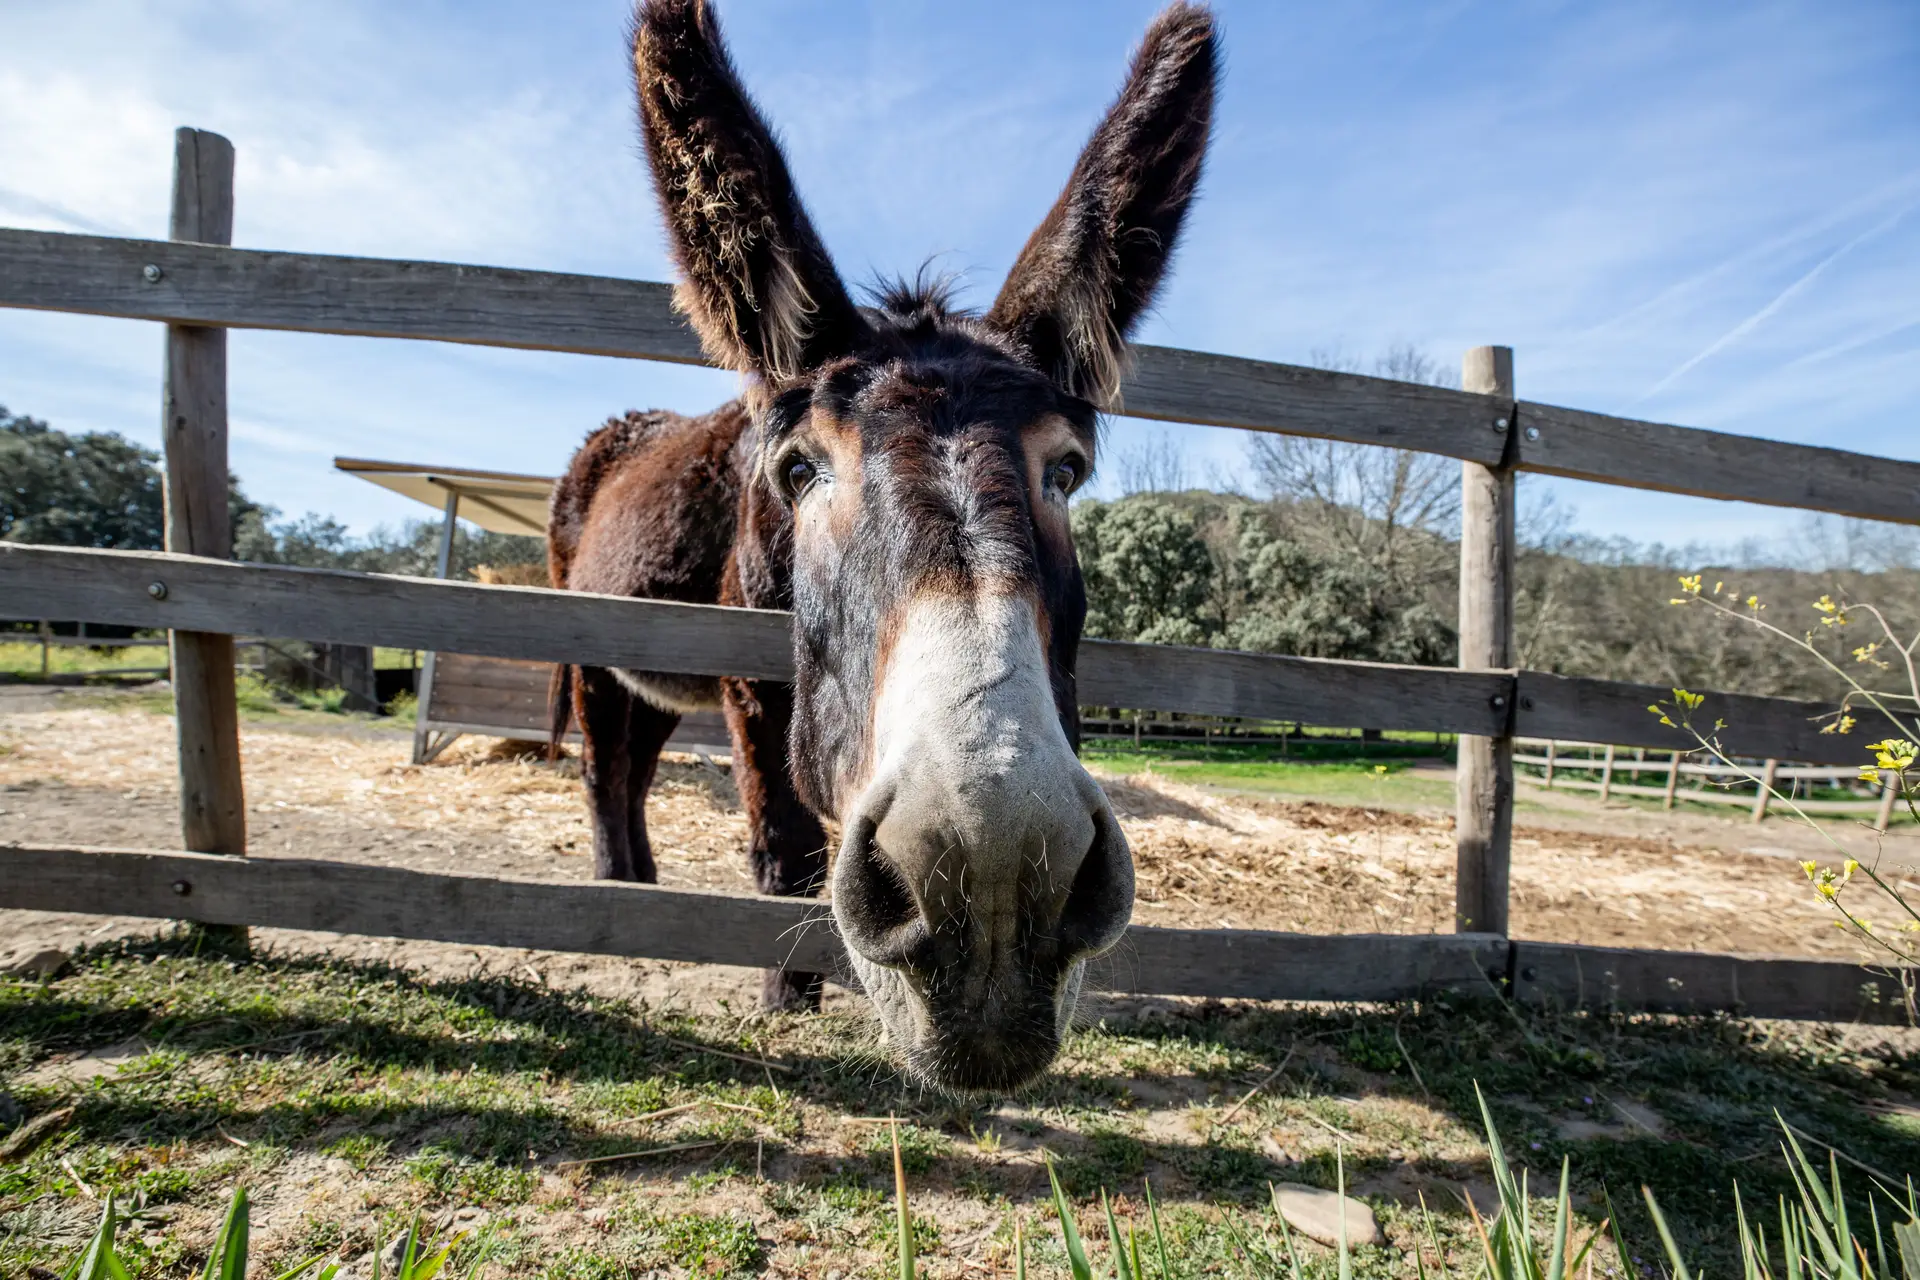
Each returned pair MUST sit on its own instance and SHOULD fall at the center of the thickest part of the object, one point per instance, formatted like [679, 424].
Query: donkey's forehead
[939, 393]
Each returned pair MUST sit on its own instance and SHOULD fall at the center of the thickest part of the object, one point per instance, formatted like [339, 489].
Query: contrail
[1780, 299]
[1763, 251]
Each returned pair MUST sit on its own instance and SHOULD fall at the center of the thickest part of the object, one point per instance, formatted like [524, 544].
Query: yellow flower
[1688, 700]
[1852, 866]
[1866, 651]
[1717, 586]
[1379, 769]
[1869, 774]
[1894, 753]
[1826, 888]
[1825, 604]
[1809, 868]
[1691, 584]
[1753, 602]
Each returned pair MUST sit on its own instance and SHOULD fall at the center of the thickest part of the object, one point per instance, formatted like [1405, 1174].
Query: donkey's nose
[973, 886]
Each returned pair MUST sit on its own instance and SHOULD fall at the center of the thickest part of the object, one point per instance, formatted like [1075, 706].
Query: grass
[429, 1096]
[22, 658]
[1388, 782]
[256, 699]
[1817, 1238]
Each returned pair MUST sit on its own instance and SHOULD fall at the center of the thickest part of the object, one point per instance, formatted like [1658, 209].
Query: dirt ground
[325, 787]
[347, 1098]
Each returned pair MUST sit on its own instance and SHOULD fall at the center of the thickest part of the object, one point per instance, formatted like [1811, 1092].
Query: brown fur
[939, 434]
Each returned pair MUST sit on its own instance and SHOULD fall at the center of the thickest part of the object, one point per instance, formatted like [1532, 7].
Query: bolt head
[1499, 424]
[1532, 433]
[1529, 973]
[151, 273]
[1526, 704]
[158, 590]
[183, 887]
[1499, 700]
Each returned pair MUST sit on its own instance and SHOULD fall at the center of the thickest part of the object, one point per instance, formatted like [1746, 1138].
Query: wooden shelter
[460, 693]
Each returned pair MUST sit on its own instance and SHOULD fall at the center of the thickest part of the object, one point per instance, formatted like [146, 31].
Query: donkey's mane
[926, 299]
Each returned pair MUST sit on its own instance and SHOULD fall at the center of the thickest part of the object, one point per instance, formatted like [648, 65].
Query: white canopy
[497, 501]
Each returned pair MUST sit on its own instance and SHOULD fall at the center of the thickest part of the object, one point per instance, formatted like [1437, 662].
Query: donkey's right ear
[754, 278]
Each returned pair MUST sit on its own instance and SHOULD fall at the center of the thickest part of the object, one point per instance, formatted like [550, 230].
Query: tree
[1151, 464]
[1284, 597]
[1387, 506]
[1149, 575]
[96, 489]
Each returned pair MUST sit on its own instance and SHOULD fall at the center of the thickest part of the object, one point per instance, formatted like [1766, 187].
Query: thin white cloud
[1778, 301]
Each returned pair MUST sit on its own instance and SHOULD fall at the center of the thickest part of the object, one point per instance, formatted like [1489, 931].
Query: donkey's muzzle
[971, 935]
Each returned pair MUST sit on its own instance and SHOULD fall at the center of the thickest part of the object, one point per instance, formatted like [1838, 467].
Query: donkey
[897, 476]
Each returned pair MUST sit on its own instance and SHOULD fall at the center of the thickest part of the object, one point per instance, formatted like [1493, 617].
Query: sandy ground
[104, 775]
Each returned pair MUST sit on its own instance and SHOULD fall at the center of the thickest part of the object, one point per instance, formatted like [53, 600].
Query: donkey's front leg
[604, 711]
[788, 845]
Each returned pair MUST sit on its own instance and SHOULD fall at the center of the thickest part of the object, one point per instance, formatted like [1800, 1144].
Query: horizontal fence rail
[155, 589]
[612, 918]
[210, 285]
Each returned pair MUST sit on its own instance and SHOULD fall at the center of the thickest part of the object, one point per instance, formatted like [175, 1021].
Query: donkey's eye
[796, 473]
[1065, 474]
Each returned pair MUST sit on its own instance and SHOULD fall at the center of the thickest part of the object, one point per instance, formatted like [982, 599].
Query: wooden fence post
[1673, 780]
[1764, 796]
[424, 748]
[1887, 794]
[213, 810]
[1552, 747]
[1483, 816]
[1606, 776]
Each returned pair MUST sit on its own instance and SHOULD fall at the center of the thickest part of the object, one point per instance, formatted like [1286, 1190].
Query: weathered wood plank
[320, 293]
[1172, 385]
[1250, 964]
[1483, 787]
[1375, 695]
[550, 311]
[403, 613]
[1615, 712]
[537, 623]
[608, 918]
[596, 917]
[1712, 464]
[1565, 976]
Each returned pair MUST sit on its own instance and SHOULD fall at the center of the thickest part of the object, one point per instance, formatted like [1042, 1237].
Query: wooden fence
[198, 287]
[1725, 784]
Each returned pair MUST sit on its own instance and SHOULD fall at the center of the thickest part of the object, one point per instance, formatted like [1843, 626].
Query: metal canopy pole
[423, 693]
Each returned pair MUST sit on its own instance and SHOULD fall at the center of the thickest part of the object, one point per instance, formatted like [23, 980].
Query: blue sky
[1701, 213]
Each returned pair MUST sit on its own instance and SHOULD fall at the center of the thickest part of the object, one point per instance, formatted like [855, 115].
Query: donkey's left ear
[1092, 267]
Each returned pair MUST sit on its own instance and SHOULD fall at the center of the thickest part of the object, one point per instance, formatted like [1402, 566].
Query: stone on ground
[1316, 1214]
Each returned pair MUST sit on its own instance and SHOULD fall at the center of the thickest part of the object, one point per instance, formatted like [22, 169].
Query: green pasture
[423, 1096]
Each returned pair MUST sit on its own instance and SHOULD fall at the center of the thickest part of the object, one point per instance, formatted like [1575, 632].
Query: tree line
[100, 489]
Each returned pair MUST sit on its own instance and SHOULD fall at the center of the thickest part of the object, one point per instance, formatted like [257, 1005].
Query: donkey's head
[920, 460]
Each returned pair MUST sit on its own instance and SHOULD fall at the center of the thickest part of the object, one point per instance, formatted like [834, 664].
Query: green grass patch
[1370, 783]
[449, 1093]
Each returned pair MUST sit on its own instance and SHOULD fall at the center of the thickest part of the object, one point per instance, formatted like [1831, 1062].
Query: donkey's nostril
[877, 910]
[1100, 900]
